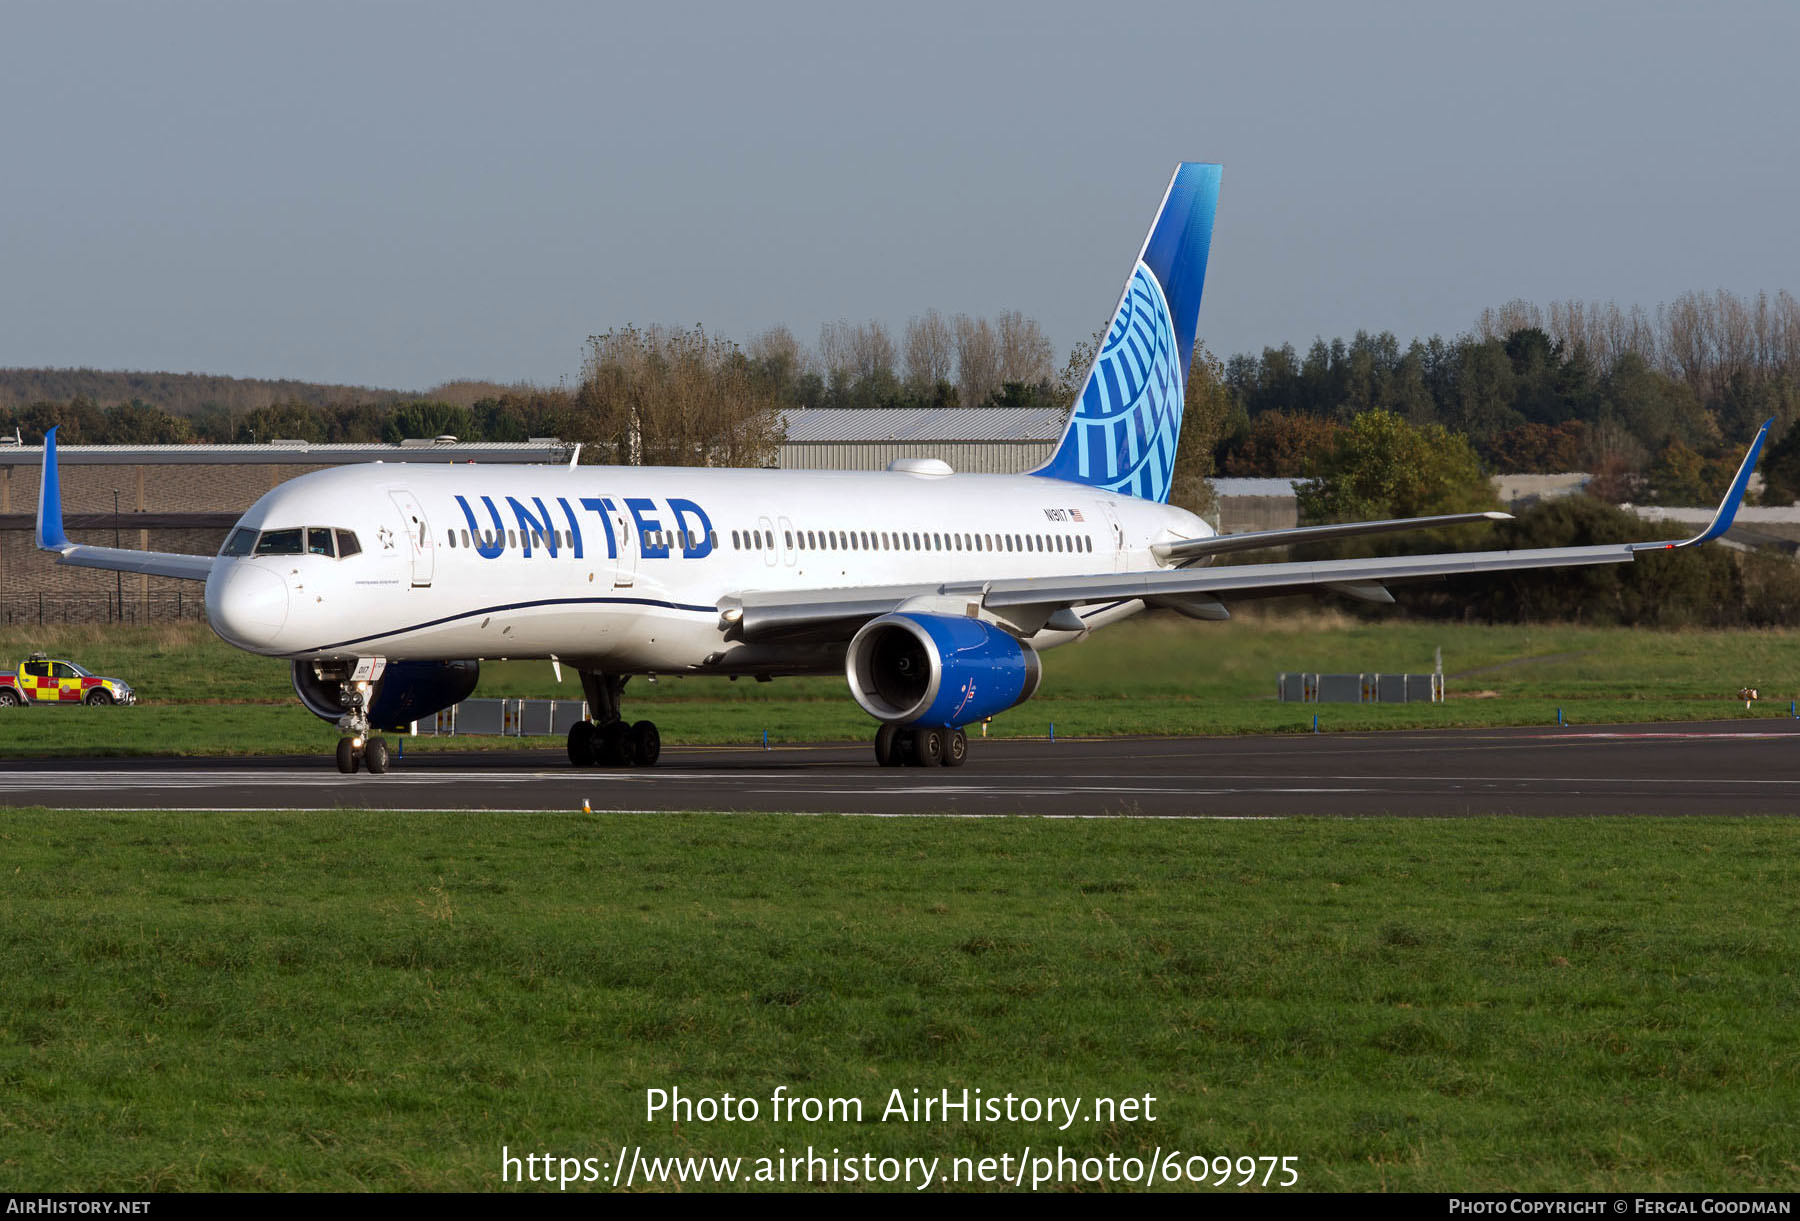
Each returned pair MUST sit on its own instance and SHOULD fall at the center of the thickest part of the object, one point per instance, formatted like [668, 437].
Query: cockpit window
[241, 542]
[347, 544]
[318, 542]
[280, 542]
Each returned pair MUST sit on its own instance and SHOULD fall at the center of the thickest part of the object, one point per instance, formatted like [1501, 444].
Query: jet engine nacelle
[407, 691]
[938, 670]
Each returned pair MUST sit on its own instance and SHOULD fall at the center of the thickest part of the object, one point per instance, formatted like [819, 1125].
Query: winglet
[50, 536]
[1728, 507]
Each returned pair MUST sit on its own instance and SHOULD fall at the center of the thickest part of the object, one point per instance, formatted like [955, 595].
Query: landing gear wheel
[98, 698]
[583, 744]
[646, 743]
[609, 745]
[928, 747]
[887, 747]
[346, 756]
[375, 756]
[956, 748]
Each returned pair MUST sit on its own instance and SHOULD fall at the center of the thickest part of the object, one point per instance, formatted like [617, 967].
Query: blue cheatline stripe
[512, 606]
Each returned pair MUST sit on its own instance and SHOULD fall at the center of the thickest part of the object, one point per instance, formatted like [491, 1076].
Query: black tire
[583, 744]
[375, 756]
[928, 747]
[9, 698]
[887, 746]
[956, 748]
[346, 756]
[609, 745]
[99, 697]
[646, 743]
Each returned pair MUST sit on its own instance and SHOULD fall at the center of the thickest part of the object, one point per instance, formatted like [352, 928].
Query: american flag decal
[1076, 514]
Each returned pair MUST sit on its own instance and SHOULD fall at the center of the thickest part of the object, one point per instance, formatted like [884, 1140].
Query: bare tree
[1515, 315]
[836, 341]
[871, 351]
[1686, 324]
[977, 360]
[1025, 352]
[930, 352]
[777, 349]
[851, 353]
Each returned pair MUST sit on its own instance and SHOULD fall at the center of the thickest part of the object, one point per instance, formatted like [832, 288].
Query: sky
[397, 194]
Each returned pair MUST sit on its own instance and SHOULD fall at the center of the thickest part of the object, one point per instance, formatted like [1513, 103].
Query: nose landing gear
[607, 740]
[354, 752]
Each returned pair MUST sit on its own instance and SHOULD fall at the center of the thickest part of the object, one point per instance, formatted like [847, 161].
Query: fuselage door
[789, 553]
[1118, 537]
[418, 534]
[630, 547]
[767, 529]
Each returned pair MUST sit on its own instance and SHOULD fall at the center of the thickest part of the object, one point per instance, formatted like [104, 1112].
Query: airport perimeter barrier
[504, 718]
[42, 609]
[1305, 688]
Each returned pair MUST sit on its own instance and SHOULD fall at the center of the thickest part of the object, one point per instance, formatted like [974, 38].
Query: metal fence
[1307, 688]
[42, 609]
[505, 718]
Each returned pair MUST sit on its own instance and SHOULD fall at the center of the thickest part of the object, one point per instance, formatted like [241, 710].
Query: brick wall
[32, 582]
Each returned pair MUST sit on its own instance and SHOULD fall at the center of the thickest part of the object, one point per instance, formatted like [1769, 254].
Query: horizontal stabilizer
[51, 537]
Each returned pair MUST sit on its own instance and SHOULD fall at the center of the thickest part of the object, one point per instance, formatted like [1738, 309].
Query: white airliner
[932, 592]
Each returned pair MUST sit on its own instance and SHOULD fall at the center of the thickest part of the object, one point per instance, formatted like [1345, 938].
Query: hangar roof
[927, 424]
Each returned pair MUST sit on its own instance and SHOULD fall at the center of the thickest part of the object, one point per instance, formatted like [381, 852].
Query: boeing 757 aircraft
[932, 592]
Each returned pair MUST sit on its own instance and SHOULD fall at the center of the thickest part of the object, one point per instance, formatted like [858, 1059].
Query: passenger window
[241, 542]
[347, 545]
[318, 542]
[37, 669]
[280, 542]
[789, 536]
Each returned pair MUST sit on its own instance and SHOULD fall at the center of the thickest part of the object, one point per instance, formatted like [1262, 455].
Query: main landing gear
[925, 747]
[606, 740]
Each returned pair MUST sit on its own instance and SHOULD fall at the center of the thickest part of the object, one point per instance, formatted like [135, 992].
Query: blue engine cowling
[407, 690]
[943, 670]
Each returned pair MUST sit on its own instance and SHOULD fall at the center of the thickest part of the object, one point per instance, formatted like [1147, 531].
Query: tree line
[1656, 405]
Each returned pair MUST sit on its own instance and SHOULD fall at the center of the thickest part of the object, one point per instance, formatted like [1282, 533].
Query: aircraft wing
[50, 537]
[1031, 603]
[1189, 549]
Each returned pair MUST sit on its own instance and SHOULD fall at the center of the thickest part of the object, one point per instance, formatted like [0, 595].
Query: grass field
[1157, 676]
[343, 1000]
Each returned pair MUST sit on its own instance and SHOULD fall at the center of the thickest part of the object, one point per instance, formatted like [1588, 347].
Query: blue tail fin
[1123, 431]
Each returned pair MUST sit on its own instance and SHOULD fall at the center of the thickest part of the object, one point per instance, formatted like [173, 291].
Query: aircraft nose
[248, 605]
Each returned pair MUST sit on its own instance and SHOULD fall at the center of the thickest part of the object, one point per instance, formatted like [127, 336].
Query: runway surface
[1746, 767]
